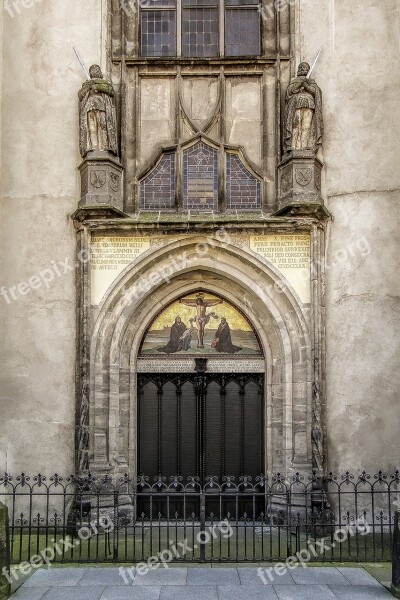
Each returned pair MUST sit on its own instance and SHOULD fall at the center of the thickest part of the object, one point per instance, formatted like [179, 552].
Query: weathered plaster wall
[360, 77]
[39, 190]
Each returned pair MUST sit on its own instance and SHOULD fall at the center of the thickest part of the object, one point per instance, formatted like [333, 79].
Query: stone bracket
[299, 185]
[101, 182]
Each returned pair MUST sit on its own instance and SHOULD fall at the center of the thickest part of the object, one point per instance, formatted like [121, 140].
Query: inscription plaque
[109, 256]
[291, 255]
[214, 365]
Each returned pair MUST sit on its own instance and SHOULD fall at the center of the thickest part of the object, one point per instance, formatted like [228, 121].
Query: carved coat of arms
[114, 182]
[98, 178]
[304, 176]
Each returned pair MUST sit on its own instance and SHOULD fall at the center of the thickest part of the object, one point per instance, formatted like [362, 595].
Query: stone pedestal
[299, 187]
[101, 182]
[5, 588]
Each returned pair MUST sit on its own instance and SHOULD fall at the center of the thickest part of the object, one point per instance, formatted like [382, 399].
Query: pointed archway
[156, 280]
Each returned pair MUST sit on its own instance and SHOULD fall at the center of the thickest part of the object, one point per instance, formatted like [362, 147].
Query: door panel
[201, 425]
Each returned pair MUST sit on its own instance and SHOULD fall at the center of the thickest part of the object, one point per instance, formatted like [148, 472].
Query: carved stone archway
[259, 291]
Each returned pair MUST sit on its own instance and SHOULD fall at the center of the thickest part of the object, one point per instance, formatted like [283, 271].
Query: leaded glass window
[200, 28]
[157, 190]
[200, 178]
[243, 190]
[200, 182]
[242, 28]
[158, 28]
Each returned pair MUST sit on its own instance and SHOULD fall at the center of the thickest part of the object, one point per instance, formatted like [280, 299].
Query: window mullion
[221, 27]
[179, 27]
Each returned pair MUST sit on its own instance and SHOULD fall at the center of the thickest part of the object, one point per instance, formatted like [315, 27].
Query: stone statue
[304, 125]
[97, 115]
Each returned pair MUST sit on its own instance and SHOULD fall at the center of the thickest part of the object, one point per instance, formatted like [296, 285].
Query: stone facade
[333, 409]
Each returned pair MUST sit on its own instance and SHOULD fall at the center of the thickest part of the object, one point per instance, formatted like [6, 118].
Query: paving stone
[162, 576]
[360, 592]
[221, 576]
[30, 593]
[357, 576]
[250, 576]
[66, 577]
[318, 576]
[248, 592]
[74, 593]
[131, 593]
[305, 592]
[189, 593]
[105, 576]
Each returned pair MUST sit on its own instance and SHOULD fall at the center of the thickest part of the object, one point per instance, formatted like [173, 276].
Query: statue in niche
[304, 125]
[97, 115]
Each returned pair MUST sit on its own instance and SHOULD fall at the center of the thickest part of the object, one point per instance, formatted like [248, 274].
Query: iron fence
[89, 519]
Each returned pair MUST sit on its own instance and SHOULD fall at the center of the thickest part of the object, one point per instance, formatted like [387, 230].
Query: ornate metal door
[200, 425]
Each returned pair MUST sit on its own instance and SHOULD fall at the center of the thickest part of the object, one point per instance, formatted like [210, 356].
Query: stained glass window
[200, 178]
[157, 190]
[243, 190]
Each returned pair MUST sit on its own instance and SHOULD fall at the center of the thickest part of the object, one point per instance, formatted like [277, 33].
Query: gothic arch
[246, 281]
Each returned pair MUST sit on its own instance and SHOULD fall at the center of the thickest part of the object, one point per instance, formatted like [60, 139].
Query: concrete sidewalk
[203, 582]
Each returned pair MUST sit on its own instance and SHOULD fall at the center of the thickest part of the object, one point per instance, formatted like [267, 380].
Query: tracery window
[157, 190]
[199, 182]
[200, 178]
[200, 28]
[243, 190]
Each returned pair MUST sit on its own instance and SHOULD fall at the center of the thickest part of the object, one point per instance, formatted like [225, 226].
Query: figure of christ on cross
[202, 317]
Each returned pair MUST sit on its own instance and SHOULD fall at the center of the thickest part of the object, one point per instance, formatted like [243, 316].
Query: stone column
[396, 556]
[5, 587]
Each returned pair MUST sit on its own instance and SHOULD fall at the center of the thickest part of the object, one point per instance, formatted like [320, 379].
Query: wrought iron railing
[89, 519]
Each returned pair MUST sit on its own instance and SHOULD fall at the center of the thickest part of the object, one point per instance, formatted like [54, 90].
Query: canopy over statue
[97, 115]
[304, 126]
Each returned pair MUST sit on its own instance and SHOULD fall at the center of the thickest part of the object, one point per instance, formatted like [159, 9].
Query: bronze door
[200, 425]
